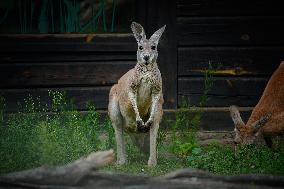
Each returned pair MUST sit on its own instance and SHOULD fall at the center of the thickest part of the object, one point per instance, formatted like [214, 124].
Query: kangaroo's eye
[140, 47]
[153, 47]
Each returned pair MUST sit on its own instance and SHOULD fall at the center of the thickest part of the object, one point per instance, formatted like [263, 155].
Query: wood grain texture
[226, 91]
[228, 8]
[82, 174]
[19, 75]
[67, 43]
[246, 37]
[200, 31]
[234, 61]
[55, 57]
[64, 175]
[162, 13]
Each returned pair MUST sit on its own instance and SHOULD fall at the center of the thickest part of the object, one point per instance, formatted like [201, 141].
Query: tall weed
[49, 134]
[188, 118]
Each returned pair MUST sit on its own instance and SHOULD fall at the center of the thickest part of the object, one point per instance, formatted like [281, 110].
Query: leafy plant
[68, 12]
[56, 133]
[35, 137]
[246, 159]
[188, 118]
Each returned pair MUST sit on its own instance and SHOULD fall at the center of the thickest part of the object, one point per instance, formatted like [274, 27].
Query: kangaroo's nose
[146, 58]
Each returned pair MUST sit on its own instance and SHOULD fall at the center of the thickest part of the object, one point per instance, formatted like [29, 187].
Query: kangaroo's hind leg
[276, 127]
[153, 136]
[117, 122]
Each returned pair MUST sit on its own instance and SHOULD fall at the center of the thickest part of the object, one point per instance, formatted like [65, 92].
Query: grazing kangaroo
[135, 102]
[267, 118]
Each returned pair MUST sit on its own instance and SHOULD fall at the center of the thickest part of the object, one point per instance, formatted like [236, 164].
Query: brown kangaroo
[135, 102]
[267, 118]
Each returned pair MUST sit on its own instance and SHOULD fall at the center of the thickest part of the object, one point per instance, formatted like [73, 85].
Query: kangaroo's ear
[260, 123]
[236, 117]
[138, 31]
[156, 36]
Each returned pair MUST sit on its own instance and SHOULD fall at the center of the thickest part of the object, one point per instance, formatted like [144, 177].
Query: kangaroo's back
[272, 99]
[121, 86]
[267, 118]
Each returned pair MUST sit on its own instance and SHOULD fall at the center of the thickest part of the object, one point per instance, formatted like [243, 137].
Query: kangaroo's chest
[144, 92]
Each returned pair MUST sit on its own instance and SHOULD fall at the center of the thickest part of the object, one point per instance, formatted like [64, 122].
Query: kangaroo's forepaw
[145, 127]
[149, 123]
[139, 122]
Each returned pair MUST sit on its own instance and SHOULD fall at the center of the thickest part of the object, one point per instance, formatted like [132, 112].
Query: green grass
[137, 163]
[215, 158]
[225, 160]
[33, 137]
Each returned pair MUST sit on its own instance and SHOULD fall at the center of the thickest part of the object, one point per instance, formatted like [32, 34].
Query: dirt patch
[220, 137]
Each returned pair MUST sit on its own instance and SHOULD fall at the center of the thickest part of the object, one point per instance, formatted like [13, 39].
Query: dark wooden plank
[37, 57]
[234, 61]
[225, 91]
[229, 8]
[19, 75]
[163, 13]
[142, 10]
[67, 43]
[218, 119]
[230, 31]
[80, 95]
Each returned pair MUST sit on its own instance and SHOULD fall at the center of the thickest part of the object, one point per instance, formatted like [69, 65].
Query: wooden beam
[55, 74]
[226, 91]
[208, 31]
[233, 60]
[68, 43]
[229, 8]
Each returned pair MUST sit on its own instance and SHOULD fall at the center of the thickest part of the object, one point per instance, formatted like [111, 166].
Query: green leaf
[196, 151]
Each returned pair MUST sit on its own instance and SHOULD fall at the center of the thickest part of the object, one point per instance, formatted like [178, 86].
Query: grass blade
[113, 15]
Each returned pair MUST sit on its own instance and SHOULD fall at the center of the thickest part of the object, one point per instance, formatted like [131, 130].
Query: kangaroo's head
[246, 134]
[147, 52]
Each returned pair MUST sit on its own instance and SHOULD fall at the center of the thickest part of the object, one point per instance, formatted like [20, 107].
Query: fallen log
[69, 174]
[84, 174]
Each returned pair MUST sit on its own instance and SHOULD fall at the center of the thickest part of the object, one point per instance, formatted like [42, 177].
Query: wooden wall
[245, 37]
[34, 65]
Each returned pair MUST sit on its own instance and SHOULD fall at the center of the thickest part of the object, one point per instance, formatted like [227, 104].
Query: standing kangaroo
[267, 118]
[135, 102]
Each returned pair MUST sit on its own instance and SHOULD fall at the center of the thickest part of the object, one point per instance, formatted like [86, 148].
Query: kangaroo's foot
[139, 122]
[121, 161]
[152, 162]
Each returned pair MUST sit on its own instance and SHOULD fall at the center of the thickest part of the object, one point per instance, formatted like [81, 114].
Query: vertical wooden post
[141, 13]
[159, 13]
